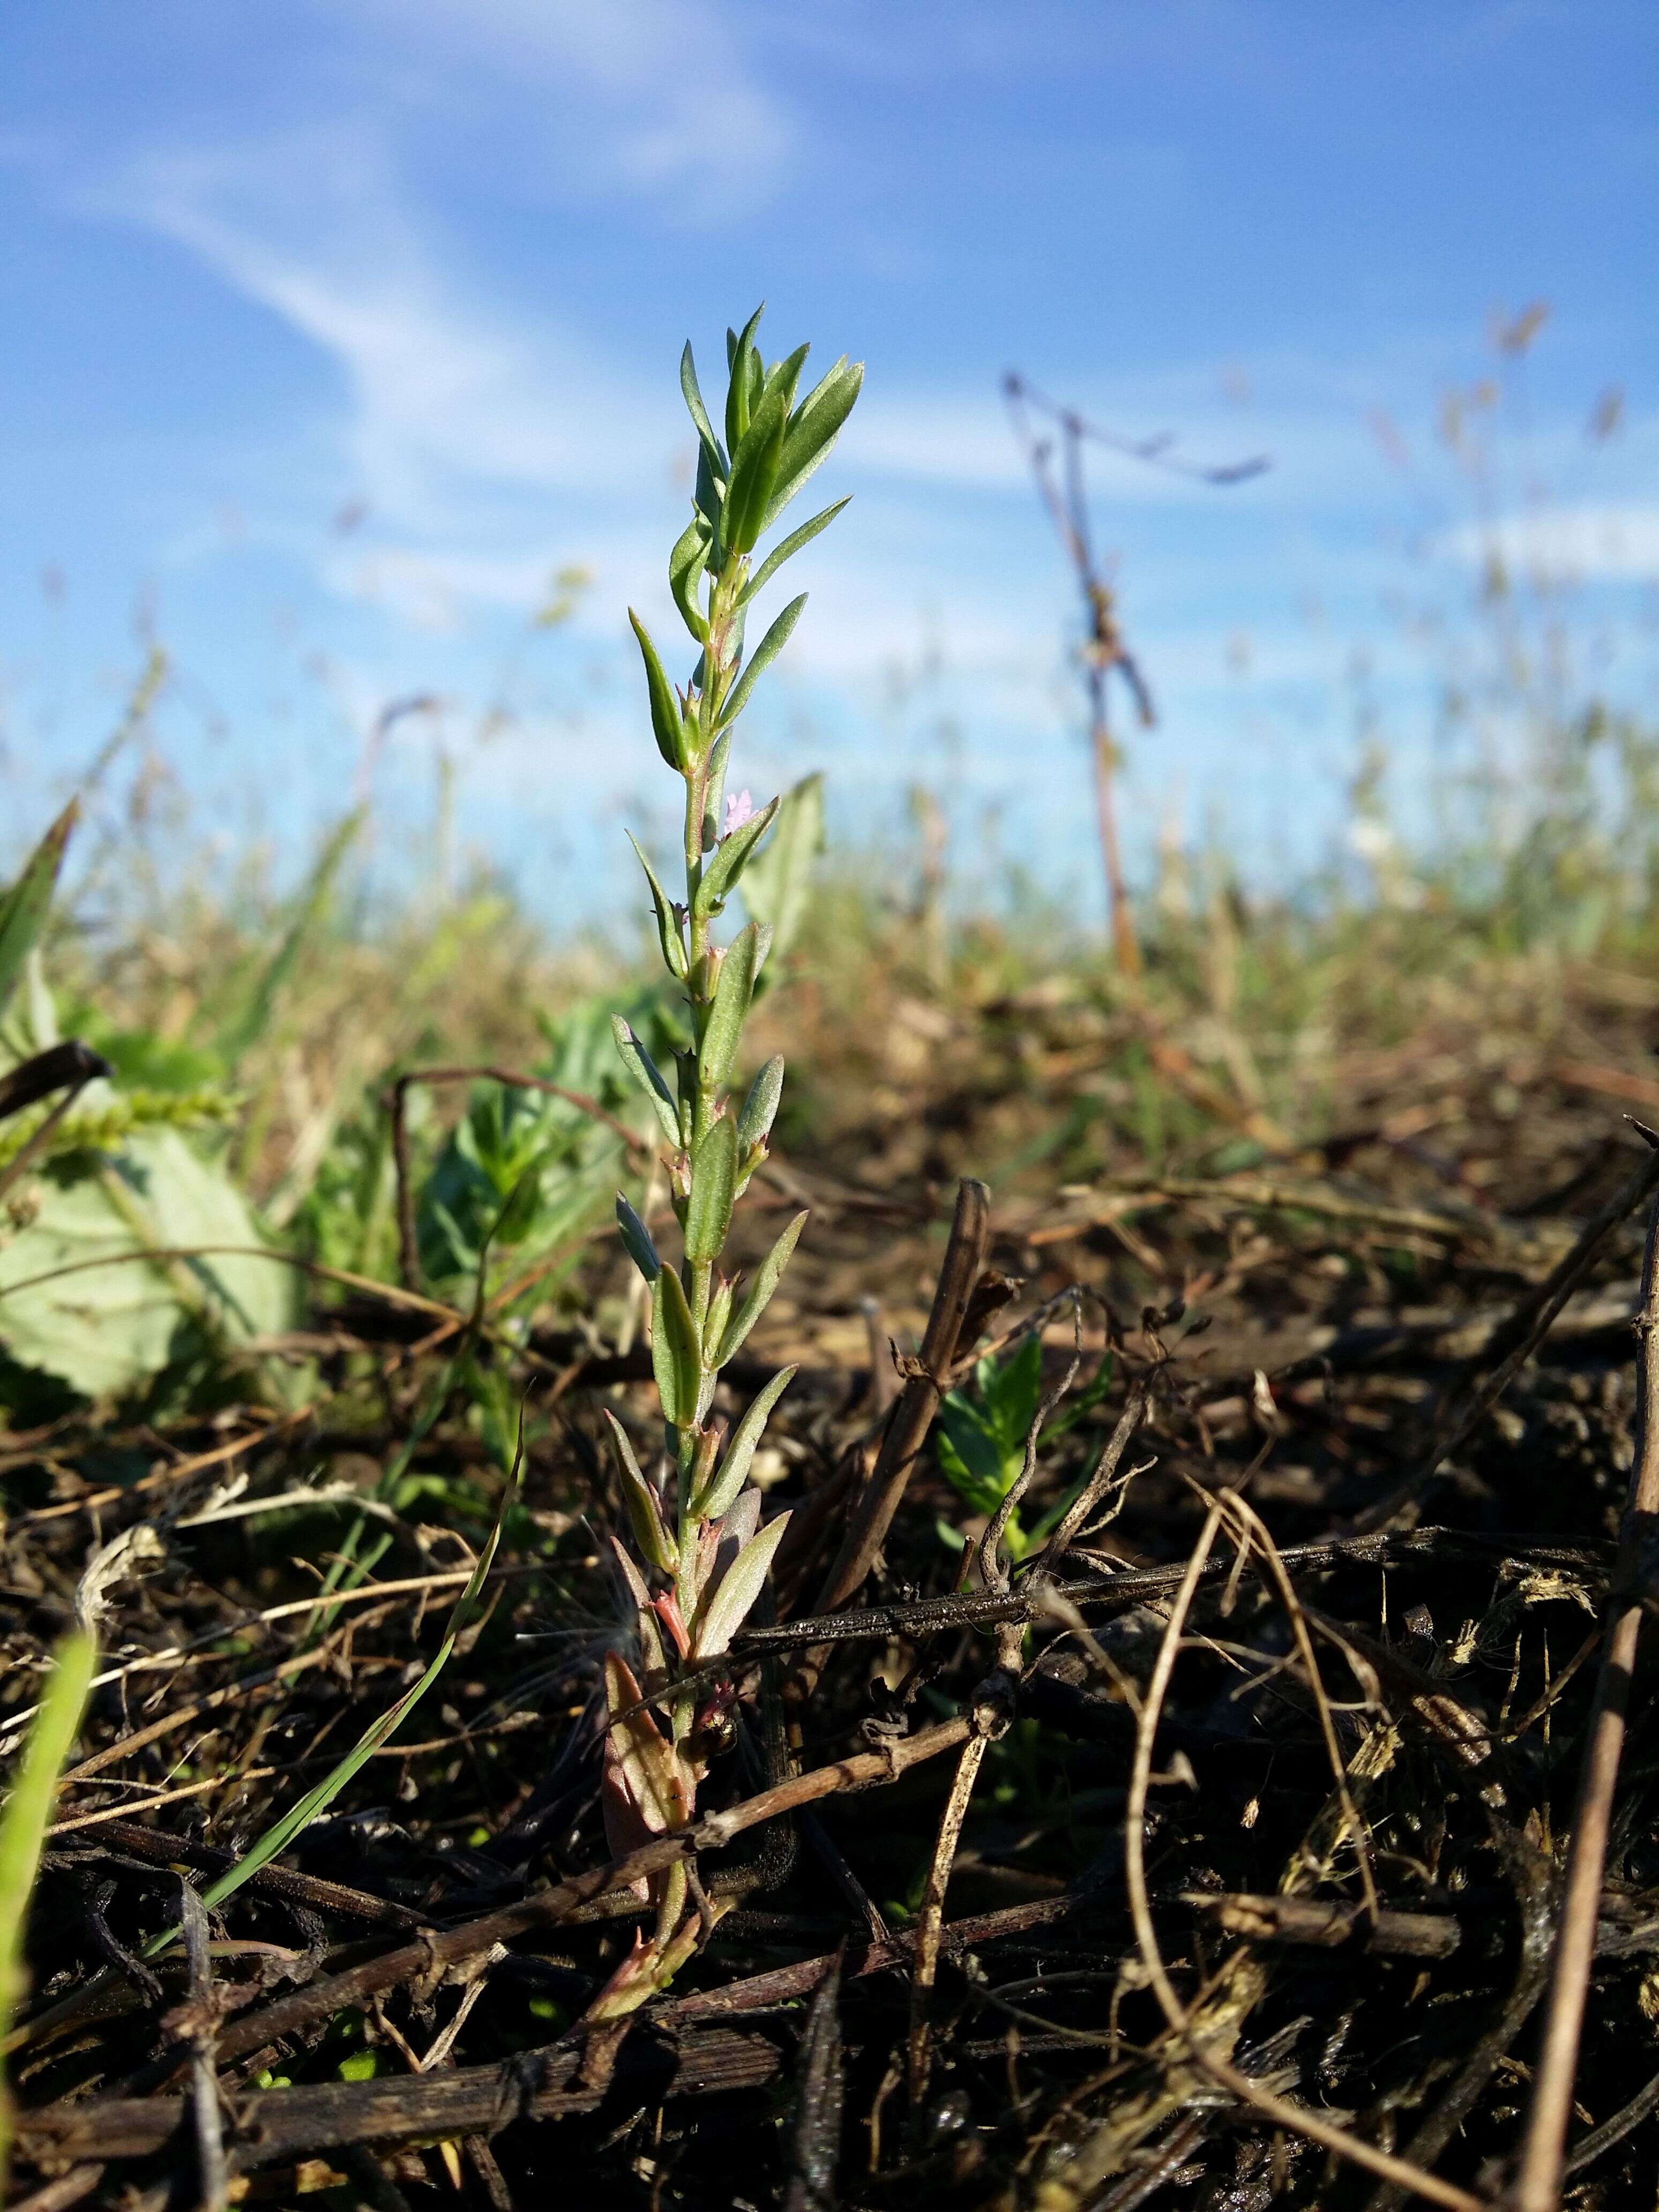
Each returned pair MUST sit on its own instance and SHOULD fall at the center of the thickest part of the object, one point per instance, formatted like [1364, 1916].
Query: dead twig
[319, 1999]
[1538, 2181]
[924, 1968]
[815, 2152]
[212, 2169]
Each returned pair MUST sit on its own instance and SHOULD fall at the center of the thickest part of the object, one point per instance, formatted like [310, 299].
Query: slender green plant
[23, 1826]
[704, 1560]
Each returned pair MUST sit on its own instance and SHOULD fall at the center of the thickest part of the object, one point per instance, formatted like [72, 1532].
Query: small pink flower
[738, 811]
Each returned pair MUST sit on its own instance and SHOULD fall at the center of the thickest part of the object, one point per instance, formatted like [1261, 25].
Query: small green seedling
[981, 1439]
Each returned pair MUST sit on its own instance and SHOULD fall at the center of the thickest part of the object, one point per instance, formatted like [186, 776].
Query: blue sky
[334, 331]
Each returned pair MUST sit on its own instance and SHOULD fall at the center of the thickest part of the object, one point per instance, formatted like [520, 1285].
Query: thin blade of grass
[23, 1826]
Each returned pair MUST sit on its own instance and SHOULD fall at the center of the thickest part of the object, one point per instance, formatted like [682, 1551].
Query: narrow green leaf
[637, 1240]
[755, 466]
[24, 1822]
[740, 396]
[24, 908]
[760, 1107]
[767, 1278]
[668, 929]
[732, 1472]
[653, 1777]
[698, 412]
[730, 858]
[676, 1350]
[814, 430]
[784, 375]
[714, 1187]
[277, 1837]
[667, 725]
[685, 564]
[733, 992]
[242, 1023]
[651, 1532]
[786, 547]
[723, 1612]
[714, 797]
[764, 654]
[720, 1310]
[777, 885]
[519, 1208]
[709, 493]
[645, 1073]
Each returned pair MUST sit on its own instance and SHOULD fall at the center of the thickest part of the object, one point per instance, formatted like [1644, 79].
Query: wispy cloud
[632, 93]
[442, 392]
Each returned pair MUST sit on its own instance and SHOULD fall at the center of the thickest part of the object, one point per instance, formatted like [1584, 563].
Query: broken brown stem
[1279, 2110]
[320, 1999]
[919, 1400]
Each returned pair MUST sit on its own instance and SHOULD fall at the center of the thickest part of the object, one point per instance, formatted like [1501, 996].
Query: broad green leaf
[24, 908]
[729, 859]
[714, 1186]
[685, 564]
[645, 1073]
[724, 1611]
[733, 992]
[787, 547]
[764, 654]
[1016, 1392]
[777, 885]
[637, 1240]
[733, 1470]
[767, 1278]
[676, 1350]
[755, 466]
[651, 1534]
[971, 1457]
[107, 1328]
[668, 929]
[667, 723]
[760, 1107]
[814, 430]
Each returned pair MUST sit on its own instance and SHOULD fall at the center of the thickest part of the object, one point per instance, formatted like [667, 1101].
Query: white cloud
[1606, 544]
